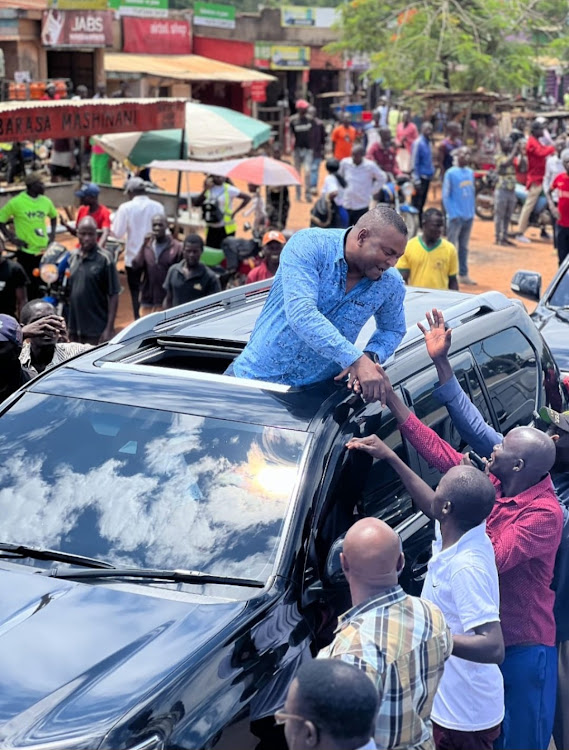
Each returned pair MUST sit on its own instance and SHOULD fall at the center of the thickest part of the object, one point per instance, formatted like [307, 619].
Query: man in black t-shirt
[93, 289]
[13, 282]
[189, 279]
[301, 129]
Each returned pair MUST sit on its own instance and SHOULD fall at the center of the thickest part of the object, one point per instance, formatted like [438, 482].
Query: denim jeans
[303, 158]
[504, 205]
[314, 167]
[530, 682]
[458, 232]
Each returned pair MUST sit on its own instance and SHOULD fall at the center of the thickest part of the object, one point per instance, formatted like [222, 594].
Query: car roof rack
[469, 309]
[162, 321]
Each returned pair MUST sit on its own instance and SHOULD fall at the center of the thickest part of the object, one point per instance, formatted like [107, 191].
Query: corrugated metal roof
[182, 67]
[24, 4]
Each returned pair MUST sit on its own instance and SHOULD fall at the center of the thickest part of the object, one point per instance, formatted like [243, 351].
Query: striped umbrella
[210, 133]
[262, 170]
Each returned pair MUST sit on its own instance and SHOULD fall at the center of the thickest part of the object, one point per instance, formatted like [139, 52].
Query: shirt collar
[427, 248]
[532, 493]
[468, 539]
[340, 247]
[386, 599]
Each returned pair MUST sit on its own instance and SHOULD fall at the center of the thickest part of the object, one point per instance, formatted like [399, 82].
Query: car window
[508, 365]
[145, 488]
[560, 296]
[554, 396]
[383, 494]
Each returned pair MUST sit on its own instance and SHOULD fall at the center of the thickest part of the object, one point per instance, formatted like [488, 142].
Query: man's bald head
[88, 221]
[381, 217]
[465, 496]
[526, 452]
[372, 557]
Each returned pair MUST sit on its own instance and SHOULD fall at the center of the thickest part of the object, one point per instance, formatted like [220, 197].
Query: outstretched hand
[438, 338]
[371, 444]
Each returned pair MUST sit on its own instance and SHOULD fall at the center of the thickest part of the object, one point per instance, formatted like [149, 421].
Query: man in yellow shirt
[430, 261]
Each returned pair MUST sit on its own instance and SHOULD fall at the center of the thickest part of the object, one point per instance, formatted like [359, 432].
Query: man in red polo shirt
[560, 212]
[273, 243]
[90, 206]
[525, 529]
[537, 155]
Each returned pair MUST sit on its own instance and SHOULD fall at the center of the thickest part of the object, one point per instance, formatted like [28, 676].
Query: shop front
[74, 41]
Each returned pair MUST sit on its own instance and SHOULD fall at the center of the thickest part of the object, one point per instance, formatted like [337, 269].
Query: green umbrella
[210, 133]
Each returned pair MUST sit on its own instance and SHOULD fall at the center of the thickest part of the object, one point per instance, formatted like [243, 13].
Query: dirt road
[491, 266]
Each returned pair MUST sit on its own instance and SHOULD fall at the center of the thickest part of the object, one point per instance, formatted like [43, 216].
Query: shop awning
[191, 68]
[37, 120]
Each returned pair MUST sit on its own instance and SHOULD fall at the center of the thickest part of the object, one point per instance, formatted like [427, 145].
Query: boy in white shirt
[462, 580]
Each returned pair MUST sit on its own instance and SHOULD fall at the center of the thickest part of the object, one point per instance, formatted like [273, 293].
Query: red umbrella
[262, 170]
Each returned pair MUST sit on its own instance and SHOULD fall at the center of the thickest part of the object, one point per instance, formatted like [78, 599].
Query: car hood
[555, 330]
[76, 657]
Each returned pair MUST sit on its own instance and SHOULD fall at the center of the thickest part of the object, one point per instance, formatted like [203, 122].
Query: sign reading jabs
[86, 119]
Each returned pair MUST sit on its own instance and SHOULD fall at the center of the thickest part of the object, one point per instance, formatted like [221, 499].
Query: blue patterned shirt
[307, 328]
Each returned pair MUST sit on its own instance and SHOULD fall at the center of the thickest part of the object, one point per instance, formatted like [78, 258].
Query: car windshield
[144, 488]
[560, 297]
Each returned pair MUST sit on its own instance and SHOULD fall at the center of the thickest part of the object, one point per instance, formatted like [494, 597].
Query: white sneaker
[523, 238]
[467, 280]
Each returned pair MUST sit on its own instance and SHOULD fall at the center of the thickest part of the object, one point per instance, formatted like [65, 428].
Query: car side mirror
[527, 284]
[333, 573]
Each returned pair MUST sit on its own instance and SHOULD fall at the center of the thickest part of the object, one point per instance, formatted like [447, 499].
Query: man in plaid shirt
[401, 642]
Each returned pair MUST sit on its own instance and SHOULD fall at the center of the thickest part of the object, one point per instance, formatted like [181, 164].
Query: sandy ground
[491, 266]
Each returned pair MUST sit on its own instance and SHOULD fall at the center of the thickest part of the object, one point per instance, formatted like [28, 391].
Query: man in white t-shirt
[462, 580]
[134, 219]
[217, 201]
[364, 178]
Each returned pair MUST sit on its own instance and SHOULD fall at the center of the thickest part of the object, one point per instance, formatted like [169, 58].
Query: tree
[458, 44]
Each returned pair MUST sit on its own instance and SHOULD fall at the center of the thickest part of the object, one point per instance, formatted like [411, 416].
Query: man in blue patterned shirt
[329, 283]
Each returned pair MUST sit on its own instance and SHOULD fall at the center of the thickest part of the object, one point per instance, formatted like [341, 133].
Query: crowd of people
[473, 663]
[481, 659]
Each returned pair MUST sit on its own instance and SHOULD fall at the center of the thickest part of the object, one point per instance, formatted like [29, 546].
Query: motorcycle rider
[537, 154]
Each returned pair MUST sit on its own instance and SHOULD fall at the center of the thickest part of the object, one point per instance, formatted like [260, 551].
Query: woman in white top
[333, 190]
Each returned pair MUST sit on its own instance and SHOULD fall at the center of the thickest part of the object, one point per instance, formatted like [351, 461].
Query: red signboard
[77, 28]
[69, 119]
[156, 36]
[258, 91]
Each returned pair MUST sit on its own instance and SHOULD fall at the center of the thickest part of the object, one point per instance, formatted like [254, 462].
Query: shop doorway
[78, 66]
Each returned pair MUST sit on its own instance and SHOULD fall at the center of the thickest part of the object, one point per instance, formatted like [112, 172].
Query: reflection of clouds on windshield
[200, 494]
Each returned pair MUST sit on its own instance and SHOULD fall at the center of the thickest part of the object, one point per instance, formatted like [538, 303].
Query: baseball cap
[89, 190]
[10, 330]
[273, 236]
[560, 420]
[302, 104]
[135, 183]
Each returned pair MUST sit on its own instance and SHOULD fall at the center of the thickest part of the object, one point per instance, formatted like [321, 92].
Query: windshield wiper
[38, 553]
[177, 576]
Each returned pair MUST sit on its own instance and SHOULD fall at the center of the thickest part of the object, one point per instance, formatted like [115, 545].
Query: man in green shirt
[29, 211]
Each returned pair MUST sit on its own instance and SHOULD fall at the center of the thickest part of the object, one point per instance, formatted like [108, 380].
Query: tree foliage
[458, 44]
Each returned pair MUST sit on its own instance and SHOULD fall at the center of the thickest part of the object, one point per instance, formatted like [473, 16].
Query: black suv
[167, 555]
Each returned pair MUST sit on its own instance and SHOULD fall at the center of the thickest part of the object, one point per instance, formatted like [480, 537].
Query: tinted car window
[146, 488]
[508, 366]
[383, 494]
[560, 297]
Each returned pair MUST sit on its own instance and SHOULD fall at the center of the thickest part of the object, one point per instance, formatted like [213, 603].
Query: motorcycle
[54, 272]
[398, 193]
[485, 186]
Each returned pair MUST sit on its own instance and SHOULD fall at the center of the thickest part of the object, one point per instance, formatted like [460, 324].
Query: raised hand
[438, 338]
